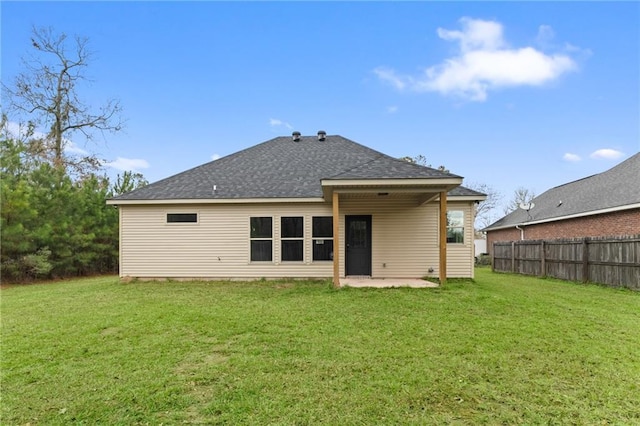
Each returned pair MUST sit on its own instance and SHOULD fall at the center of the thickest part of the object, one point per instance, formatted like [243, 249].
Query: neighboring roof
[283, 168]
[615, 189]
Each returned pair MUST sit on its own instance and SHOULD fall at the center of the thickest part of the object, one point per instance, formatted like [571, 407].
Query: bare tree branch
[485, 209]
[46, 92]
[520, 195]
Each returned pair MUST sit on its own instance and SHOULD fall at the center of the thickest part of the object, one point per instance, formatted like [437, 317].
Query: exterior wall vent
[295, 136]
[322, 135]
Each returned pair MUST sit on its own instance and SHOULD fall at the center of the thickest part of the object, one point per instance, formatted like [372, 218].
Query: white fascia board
[392, 182]
[571, 216]
[217, 201]
[465, 197]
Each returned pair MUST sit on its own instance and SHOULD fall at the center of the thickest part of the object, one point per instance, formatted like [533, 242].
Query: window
[292, 238]
[261, 239]
[182, 217]
[322, 238]
[455, 226]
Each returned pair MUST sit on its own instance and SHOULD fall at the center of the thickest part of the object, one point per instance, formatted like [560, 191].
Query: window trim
[251, 239]
[179, 222]
[283, 239]
[314, 239]
[450, 227]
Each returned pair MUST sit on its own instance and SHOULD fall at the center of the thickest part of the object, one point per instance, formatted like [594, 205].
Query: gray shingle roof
[614, 188]
[282, 168]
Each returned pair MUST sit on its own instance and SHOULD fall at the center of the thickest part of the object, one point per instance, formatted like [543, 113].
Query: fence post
[513, 256]
[493, 257]
[543, 266]
[585, 260]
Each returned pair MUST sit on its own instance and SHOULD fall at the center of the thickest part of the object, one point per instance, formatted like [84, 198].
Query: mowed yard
[503, 349]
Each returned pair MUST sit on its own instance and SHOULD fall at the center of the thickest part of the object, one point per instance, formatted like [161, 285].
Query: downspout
[521, 232]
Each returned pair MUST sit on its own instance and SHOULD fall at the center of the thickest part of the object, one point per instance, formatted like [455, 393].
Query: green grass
[504, 349]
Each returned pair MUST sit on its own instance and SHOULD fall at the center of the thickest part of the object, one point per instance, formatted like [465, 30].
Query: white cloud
[545, 35]
[72, 148]
[483, 63]
[571, 157]
[476, 35]
[392, 109]
[274, 122]
[214, 157]
[606, 154]
[14, 129]
[388, 75]
[20, 131]
[128, 164]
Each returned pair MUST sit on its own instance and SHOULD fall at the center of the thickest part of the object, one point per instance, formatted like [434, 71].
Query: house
[605, 204]
[300, 206]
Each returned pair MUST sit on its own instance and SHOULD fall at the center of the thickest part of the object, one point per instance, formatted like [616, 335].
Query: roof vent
[296, 136]
[322, 135]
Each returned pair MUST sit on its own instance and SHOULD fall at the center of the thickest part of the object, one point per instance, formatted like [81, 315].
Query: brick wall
[625, 222]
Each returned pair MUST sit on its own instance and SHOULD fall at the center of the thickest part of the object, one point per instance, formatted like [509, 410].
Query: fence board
[614, 261]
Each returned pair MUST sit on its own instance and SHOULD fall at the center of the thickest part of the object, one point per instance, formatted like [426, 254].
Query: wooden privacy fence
[614, 261]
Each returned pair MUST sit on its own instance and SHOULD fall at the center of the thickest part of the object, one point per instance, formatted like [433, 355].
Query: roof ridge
[421, 166]
[357, 166]
[602, 173]
[382, 154]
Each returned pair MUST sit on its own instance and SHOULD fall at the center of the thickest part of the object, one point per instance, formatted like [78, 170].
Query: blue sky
[509, 94]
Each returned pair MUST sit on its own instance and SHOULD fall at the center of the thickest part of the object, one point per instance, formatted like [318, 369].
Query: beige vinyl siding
[404, 240]
[215, 247]
[460, 261]
[404, 235]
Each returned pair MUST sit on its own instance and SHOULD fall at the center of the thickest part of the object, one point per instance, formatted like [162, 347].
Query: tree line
[54, 220]
[54, 224]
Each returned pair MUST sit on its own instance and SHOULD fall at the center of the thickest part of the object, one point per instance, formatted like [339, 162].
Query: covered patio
[424, 190]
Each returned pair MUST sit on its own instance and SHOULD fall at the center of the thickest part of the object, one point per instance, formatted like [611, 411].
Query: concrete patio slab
[363, 282]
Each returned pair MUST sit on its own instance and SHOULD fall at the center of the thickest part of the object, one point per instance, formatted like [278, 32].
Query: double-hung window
[292, 238]
[322, 233]
[261, 239]
[455, 226]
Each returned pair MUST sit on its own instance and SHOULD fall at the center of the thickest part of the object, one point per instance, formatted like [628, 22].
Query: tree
[422, 161]
[485, 209]
[520, 196]
[46, 94]
[54, 220]
[128, 181]
[51, 225]
[418, 159]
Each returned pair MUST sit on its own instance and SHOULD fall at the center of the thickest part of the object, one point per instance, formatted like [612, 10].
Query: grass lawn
[503, 349]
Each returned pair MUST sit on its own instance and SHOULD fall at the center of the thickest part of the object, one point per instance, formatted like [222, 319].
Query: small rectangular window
[182, 217]
[455, 226]
[261, 239]
[322, 233]
[292, 238]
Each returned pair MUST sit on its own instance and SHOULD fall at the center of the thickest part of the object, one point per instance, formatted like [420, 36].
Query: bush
[37, 264]
[483, 259]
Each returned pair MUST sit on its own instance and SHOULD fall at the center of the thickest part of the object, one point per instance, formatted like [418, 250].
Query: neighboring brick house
[606, 204]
